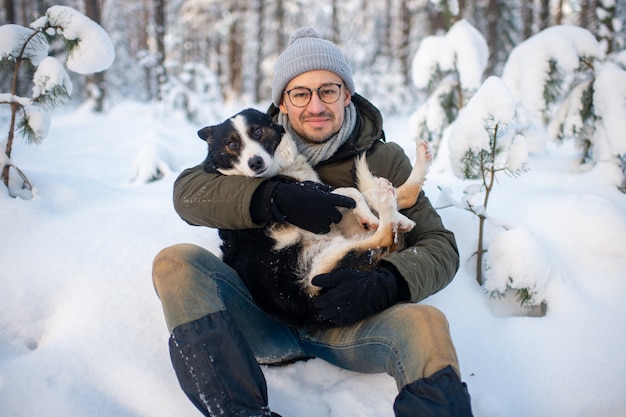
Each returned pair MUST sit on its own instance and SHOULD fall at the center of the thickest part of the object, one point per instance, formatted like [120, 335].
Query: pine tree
[580, 94]
[449, 69]
[482, 144]
[51, 83]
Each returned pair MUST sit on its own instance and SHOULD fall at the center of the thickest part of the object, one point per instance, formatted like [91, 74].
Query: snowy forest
[497, 80]
[196, 55]
[226, 48]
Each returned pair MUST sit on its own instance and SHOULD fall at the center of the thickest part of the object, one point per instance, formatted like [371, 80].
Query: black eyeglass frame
[310, 90]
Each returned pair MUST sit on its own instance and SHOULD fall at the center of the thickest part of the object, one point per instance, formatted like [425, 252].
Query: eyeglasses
[301, 96]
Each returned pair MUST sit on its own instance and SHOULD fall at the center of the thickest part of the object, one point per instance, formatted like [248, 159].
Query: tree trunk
[9, 8]
[96, 93]
[585, 18]
[544, 14]
[335, 22]
[461, 4]
[159, 20]
[492, 35]
[258, 73]
[235, 49]
[281, 43]
[404, 52]
[387, 47]
[480, 250]
[527, 19]
[437, 21]
[559, 13]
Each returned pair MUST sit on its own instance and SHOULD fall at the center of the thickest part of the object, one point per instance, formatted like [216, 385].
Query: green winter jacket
[431, 259]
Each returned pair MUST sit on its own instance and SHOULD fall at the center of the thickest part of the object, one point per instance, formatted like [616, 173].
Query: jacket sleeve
[214, 200]
[431, 258]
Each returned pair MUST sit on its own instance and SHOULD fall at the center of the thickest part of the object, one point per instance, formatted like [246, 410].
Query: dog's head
[242, 145]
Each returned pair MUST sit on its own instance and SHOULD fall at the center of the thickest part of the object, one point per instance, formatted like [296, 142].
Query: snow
[519, 152]
[462, 47]
[467, 49]
[50, 73]
[39, 121]
[611, 86]
[81, 329]
[13, 37]
[527, 67]
[491, 108]
[81, 326]
[503, 271]
[426, 60]
[94, 51]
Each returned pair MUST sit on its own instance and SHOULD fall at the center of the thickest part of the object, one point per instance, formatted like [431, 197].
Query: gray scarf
[318, 152]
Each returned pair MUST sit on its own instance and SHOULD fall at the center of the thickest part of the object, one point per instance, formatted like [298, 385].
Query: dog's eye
[257, 132]
[232, 145]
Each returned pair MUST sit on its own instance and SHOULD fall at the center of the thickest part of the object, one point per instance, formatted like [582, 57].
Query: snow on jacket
[431, 258]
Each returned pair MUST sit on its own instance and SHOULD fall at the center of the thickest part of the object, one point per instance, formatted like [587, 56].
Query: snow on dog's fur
[278, 262]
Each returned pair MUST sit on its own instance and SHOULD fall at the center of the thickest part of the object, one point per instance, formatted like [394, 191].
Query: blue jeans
[406, 341]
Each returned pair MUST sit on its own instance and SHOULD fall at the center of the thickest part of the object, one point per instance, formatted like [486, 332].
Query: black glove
[309, 205]
[349, 295]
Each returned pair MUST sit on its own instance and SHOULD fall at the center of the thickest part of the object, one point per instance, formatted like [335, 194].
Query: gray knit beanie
[307, 51]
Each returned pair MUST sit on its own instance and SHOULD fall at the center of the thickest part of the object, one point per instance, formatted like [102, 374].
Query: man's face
[317, 121]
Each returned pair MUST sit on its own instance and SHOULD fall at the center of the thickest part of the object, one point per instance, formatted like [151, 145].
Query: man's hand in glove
[309, 205]
[350, 295]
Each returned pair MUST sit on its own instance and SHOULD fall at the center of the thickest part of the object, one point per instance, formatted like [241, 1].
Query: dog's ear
[280, 129]
[206, 133]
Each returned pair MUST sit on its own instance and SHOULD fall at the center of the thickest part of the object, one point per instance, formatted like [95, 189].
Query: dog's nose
[256, 163]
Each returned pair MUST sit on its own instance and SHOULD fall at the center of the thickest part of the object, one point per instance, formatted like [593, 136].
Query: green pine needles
[51, 85]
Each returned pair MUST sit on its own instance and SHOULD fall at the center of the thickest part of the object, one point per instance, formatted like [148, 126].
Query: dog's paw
[403, 223]
[385, 193]
[424, 152]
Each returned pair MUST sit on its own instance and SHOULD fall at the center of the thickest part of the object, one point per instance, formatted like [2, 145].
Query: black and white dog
[278, 262]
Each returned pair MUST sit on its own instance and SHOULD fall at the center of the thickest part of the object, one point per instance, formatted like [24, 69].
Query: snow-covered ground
[82, 333]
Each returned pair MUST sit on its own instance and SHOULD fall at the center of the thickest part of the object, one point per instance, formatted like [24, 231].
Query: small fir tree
[88, 50]
[569, 89]
[482, 144]
[448, 69]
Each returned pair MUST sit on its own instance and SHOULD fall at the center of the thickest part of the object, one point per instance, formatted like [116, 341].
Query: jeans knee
[431, 315]
[174, 264]
[416, 316]
[185, 278]
[423, 339]
[166, 261]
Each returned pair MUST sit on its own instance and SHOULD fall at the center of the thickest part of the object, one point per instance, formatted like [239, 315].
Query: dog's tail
[364, 179]
[409, 191]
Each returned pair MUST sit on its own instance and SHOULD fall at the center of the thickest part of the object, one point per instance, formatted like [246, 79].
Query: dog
[278, 262]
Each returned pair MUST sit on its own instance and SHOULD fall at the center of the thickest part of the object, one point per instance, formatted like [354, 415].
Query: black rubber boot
[217, 369]
[440, 395]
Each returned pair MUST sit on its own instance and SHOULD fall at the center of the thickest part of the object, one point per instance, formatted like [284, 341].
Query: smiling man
[219, 334]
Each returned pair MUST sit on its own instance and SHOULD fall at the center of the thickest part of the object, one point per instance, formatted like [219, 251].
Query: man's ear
[282, 107]
[348, 97]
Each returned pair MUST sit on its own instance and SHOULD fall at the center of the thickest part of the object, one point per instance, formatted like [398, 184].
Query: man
[219, 336]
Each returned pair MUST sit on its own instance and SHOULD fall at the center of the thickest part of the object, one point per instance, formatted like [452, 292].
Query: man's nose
[316, 105]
